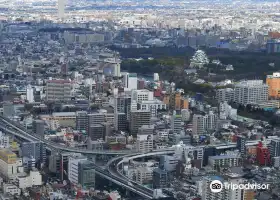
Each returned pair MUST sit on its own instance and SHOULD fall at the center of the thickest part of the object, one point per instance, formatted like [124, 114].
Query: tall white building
[29, 94]
[252, 91]
[132, 81]
[142, 95]
[144, 143]
[61, 9]
[73, 169]
[156, 77]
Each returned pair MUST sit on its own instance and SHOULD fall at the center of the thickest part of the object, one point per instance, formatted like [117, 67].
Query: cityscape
[139, 100]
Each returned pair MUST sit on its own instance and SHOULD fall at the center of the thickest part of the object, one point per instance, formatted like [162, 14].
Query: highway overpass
[18, 130]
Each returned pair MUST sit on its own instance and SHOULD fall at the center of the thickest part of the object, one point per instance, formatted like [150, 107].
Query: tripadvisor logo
[217, 186]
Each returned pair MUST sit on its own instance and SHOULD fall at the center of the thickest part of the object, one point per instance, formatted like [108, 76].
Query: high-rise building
[252, 91]
[29, 94]
[176, 122]
[274, 147]
[61, 9]
[160, 178]
[58, 90]
[144, 142]
[137, 119]
[86, 177]
[34, 149]
[96, 132]
[82, 120]
[156, 77]
[39, 127]
[273, 82]
[132, 81]
[241, 141]
[226, 94]
[201, 123]
[73, 168]
[125, 76]
[122, 106]
[263, 155]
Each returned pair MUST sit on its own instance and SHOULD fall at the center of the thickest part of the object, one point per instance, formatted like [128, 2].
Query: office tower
[247, 92]
[86, 176]
[176, 123]
[39, 127]
[142, 95]
[208, 151]
[55, 164]
[144, 142]
[120, 122]
[73, 169]
[240, 144]
[273, 82]
[132, 81]
[61, 9]
[137, 119]
[58, 90]
[29, 94]
[226, 94]
[82, 120]
[122, 106]
[34, 149]
[96, 132]
[263, 155]
[160, 178]
[96, 118]
[274, 147]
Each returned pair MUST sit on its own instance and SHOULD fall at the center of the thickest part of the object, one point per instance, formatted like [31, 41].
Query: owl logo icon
[216, 186]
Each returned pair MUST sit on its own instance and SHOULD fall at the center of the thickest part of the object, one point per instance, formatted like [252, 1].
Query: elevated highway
[8, 126]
